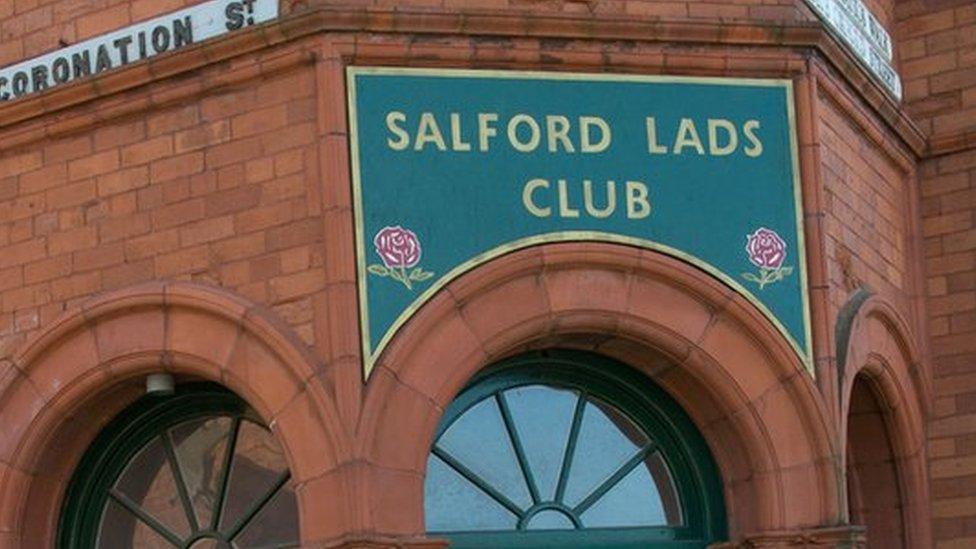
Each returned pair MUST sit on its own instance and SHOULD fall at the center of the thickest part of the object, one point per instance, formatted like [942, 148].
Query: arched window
[570, 449]
[197, 469]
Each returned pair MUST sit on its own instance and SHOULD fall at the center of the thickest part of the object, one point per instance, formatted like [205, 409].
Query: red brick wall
[868, 215]
[695, 9]
[138, 199]
[937, 62]
[32, 27]
[224, 187]
[214, 189]
[768, 10]
[938, 65]
[950, 231]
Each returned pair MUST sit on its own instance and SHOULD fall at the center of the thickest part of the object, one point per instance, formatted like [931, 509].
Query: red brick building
[192, 213]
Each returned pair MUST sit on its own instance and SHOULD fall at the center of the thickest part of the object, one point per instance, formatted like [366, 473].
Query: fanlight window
[536, 457]
[173, 474]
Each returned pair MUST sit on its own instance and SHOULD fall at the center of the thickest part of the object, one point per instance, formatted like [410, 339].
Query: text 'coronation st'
[557, 134]
[132, 44]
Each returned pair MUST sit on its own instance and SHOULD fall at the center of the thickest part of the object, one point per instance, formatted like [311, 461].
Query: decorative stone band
[860, 31]
[131, 44]
[385, 542]
[846, 536]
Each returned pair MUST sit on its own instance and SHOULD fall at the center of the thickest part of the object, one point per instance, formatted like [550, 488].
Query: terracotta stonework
[193, 214]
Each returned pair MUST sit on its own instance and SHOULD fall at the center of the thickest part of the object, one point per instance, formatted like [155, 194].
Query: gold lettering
[733, 137]
[534, 133]
[530, 204]
[557, 129]
[591, 209]
[403, 138]
[564, 209]
[484, 130]
[586, 143]
[652, 145]
[688, 137]
[456, 143]
[749, 129]
[638, 206]
[428, 132]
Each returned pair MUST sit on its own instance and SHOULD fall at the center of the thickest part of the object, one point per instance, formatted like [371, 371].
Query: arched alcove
[82, 370]
[874, 493]
[885, 397]
[726, 366]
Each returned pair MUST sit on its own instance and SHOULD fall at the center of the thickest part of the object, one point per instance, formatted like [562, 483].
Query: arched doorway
[886, 398]
[874, 492]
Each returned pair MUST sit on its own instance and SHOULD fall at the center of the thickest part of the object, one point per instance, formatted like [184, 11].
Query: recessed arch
[549, 407]
[882, 361]
[730, 370]
[65, 384]
[194, 467]
[875, 495]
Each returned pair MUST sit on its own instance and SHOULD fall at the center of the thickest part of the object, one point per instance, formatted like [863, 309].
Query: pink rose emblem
[397, 247]
[400, 251]
[766, 249]
[768, 252]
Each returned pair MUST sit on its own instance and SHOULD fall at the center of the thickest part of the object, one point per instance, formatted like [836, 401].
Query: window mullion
[570, 447]
[479, 482]
[225, 474]
[517, 446]
[146, 518]
[612, 481]
[256, 507]
[180, 483]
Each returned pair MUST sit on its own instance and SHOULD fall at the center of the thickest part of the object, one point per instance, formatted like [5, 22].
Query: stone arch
[730, 369]
[68, 381]
[877, 352]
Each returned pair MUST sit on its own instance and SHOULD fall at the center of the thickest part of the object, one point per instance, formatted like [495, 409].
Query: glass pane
[453, 503]
[543, 417]
[666, 488]
[200, 448]
[634, 501]
[257, 465]
[120, 529]
[276, 525]
[550, 519]
[607, 439]
[479, 440]
[148, 481]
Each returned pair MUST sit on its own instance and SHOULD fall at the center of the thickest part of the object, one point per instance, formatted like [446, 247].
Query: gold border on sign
[805, 352]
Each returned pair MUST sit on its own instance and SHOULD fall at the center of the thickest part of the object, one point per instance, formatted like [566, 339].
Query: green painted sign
[452, 168]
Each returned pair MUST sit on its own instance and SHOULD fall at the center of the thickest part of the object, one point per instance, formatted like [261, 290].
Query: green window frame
[149, 418]
[594, 378]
